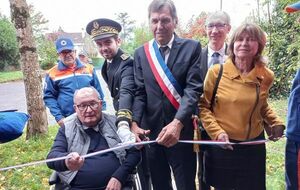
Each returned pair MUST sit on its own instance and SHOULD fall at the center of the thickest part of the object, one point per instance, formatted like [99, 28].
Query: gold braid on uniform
[103, 30]
[124, 115]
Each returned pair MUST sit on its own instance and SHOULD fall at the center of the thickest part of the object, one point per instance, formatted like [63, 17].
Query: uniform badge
[96, 25]
[63, 42]
[124, 56]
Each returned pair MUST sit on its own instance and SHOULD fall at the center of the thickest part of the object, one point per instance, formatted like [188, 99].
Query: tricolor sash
[162, 74]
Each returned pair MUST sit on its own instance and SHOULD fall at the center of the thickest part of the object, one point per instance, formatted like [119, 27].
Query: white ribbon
[127, 145]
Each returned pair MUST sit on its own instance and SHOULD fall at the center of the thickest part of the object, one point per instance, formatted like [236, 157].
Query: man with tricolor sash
[168, 84]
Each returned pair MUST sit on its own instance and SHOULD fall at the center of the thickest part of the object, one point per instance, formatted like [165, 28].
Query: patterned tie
[215, 58]
[164, 51]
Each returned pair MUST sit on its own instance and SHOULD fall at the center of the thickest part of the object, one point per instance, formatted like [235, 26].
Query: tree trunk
[38, 123]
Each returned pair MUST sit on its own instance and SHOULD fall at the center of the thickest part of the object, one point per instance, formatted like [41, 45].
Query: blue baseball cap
[64, 44]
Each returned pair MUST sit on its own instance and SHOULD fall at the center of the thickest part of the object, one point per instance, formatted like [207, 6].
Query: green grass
[10, 76]
[36, 177]
[22, 151]
[275, 152]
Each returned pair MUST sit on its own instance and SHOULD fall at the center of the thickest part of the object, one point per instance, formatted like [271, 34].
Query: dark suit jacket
[152, 109]
[203, 62]
[119, 77]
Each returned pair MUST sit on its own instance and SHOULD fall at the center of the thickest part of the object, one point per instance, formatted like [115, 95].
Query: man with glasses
[64, 78]
[87, 131]
[217, 27]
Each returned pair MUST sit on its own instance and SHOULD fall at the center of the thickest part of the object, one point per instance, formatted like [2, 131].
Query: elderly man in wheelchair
[86, 131]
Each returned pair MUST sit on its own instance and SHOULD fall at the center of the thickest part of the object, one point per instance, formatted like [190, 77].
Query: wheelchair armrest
[54, 178]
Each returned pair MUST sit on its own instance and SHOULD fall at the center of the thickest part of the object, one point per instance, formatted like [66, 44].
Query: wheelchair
[56, 184]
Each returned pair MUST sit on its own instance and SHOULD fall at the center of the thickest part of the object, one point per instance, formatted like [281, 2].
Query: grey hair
[219, 16]
[157, 5]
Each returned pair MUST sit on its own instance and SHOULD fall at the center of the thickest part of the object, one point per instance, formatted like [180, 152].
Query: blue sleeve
[59, 149]
[50, 98]
[133, 157]
[97, 85]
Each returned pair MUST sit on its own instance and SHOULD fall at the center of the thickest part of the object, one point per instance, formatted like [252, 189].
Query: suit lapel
[204, 58]
[113, 67]
[173, 52]
[104, 71]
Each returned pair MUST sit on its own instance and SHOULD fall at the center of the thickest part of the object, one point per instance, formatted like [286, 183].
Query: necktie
[164, 51]
[215, 58]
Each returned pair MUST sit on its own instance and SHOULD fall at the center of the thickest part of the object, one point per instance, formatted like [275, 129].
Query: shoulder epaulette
[124, 56]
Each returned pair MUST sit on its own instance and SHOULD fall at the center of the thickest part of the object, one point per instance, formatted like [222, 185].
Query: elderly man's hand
[113, 184]
[75, 161]
[61, 122]
[170, 134]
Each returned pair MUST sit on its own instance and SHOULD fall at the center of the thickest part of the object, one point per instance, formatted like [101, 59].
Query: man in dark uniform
[217, 27]
[117, 72]
[168, 85]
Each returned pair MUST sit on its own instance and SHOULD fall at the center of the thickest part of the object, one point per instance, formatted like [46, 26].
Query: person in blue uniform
[64, 78]
[292, 150]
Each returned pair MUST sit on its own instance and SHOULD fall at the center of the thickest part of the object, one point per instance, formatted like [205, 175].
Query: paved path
[12, 96]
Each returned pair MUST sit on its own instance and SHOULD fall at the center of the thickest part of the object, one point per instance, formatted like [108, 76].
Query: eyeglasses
[92, 105]
[217, 25]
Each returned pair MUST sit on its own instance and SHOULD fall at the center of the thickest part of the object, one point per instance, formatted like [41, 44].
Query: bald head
[86, 92]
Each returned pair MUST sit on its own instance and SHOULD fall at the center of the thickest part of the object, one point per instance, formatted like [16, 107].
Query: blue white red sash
[162, 74]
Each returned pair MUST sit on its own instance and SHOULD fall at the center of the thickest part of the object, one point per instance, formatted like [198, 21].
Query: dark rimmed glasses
[92, 105]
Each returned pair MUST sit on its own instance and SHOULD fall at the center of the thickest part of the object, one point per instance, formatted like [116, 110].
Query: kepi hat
[103, 28]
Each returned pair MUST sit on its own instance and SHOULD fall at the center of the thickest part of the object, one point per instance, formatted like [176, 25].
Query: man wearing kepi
[292, 152]
[117, 71]
[167, 86]
[64, 78]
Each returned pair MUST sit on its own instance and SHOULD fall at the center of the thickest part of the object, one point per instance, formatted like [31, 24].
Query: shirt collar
[169, 44]
[94, 128]
[220, 51]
